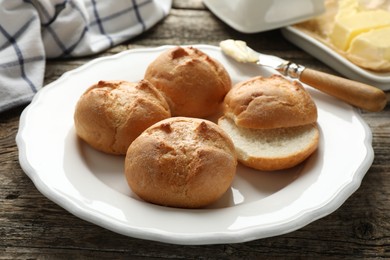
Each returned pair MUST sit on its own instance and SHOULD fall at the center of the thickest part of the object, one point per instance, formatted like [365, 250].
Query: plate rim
[238, 236]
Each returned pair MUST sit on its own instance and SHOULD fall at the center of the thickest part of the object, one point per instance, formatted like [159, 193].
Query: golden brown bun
[272, 149]
[274, 102]
[111, 114]
[193, 83]
[181, 162]
[271, 121]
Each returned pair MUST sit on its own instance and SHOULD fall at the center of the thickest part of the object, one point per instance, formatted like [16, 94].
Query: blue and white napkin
[32, 31]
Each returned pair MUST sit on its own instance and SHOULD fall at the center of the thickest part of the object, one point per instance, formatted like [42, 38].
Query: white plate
[92, 186]
[334, 60]
[252, 16]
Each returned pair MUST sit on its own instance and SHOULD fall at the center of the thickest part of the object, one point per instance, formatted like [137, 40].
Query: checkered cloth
[33, 30]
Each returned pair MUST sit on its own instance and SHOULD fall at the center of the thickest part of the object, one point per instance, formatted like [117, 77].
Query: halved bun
[193, 83]
[181, 162]
[272, 122]
[273, 102]
[272, 149]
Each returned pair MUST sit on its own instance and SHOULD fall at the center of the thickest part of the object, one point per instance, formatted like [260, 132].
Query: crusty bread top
[181, 162]
[193, 83]
[272, 102]
[111, 114]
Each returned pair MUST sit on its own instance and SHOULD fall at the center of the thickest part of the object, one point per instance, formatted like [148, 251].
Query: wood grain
[33, 227]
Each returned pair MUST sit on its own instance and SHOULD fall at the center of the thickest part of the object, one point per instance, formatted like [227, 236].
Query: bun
[193, 83]
[271, 121]
[272, 149]
[266, 103]
[181, 162]
[111, 114]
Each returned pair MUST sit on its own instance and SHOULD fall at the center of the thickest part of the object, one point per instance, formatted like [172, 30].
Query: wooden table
[31, 226]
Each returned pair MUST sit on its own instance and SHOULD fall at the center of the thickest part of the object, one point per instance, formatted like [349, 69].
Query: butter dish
[252, 16]
[352, 37]
[336, 61]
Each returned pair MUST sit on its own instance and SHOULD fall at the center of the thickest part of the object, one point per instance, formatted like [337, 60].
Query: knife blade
[355, 93]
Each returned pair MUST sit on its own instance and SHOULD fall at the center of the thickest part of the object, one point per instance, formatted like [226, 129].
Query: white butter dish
[251, 16]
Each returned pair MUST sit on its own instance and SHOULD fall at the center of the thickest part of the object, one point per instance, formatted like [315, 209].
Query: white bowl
[251, 16]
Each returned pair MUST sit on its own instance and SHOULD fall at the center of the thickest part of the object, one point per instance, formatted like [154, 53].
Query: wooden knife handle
[355, 93]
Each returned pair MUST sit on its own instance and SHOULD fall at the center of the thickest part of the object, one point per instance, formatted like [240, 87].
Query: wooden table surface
[32, 226]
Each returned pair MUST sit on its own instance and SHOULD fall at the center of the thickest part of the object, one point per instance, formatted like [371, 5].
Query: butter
[353, 20]
[239, 51]
[371, 49]
[357, 29]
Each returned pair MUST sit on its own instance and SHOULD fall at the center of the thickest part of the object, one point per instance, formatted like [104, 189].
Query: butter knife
[355, 93]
